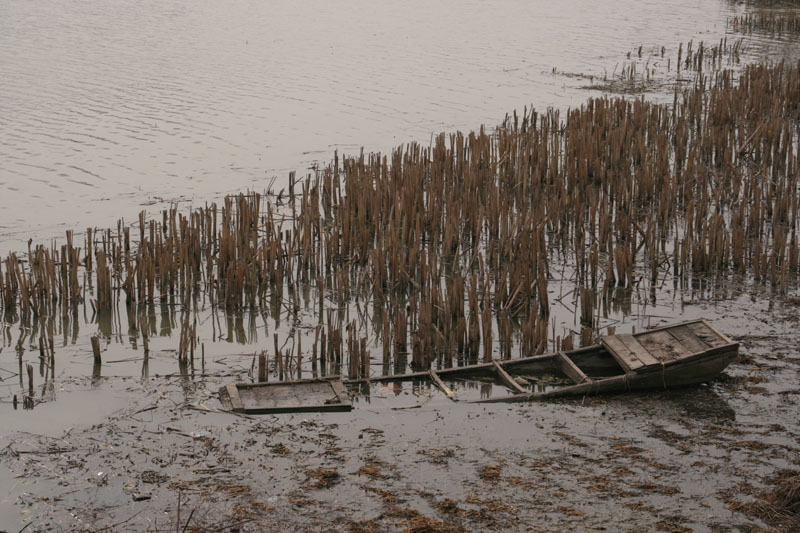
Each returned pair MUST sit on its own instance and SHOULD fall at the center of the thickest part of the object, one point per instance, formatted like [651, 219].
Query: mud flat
[674, 460]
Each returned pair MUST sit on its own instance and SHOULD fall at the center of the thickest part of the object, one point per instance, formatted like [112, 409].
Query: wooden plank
[268, 397]
[706, 334]
[570, 369]
[627, 359]
[671, 326]
[341, 392]
[686, 337]
[636, 347]
[439, 383]
[713, 328]
[236, 401]
[289, 397]
[663, 346]
[508, 380]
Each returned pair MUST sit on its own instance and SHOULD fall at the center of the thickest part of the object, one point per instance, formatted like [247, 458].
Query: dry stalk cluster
[446, 251]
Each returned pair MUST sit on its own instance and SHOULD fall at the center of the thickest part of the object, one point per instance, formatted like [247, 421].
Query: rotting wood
[507, 379]
[663, 346]
[687, 338]
[570, 369]
[439, 383]
[686, 368]
[642, 353]
[308, 395]
[233, 395]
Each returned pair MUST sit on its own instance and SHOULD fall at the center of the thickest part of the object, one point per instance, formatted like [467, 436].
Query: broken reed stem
[262, 367]
[96, 349]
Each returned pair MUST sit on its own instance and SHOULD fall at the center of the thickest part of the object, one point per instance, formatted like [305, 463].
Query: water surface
[107, 108]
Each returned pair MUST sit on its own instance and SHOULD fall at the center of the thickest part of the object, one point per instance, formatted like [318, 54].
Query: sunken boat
[667, 357]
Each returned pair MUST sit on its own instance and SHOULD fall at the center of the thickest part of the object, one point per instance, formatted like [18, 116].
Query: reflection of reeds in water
[452, 245]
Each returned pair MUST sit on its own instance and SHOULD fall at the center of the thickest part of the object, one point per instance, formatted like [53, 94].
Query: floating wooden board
[302, 396]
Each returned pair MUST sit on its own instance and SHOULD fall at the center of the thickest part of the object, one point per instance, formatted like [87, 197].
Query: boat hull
[669, 377]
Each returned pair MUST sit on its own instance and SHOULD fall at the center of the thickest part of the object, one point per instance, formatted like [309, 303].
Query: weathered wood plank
[663, 346]
[341, 392]
[236, 401]
[439, 383]
[724, 338]
[633, 344]
[686, 337]
[288, 397]
[508, 380]
[627, 359]
[570, 369]
[706, 334]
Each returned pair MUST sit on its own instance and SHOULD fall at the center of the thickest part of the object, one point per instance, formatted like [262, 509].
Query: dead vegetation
[323, 478]
[446, 252]
[779, 505]
[769, 23]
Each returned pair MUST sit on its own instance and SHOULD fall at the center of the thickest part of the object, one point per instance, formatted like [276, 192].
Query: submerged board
[310, 395]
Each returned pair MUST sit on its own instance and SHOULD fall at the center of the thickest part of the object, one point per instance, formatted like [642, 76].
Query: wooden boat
[672, 356]
[667, 357]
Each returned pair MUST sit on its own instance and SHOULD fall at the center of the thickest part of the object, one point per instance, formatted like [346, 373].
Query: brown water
[107, 108]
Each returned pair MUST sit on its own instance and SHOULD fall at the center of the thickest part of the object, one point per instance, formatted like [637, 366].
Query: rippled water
[110, 107]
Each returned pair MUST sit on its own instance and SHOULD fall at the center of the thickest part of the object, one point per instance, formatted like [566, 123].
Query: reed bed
[657, 68]
[443, 255]
[769, 23]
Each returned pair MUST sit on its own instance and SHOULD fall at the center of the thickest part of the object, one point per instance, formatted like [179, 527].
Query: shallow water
[107, 108]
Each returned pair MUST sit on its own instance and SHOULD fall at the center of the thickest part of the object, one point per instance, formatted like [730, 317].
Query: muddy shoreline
[671, 460]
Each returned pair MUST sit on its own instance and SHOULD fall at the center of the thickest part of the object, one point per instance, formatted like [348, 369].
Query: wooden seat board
[570, 369]
[508, 380]
[629, 352]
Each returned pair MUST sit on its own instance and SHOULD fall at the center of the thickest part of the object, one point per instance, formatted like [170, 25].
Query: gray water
[108, 108]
